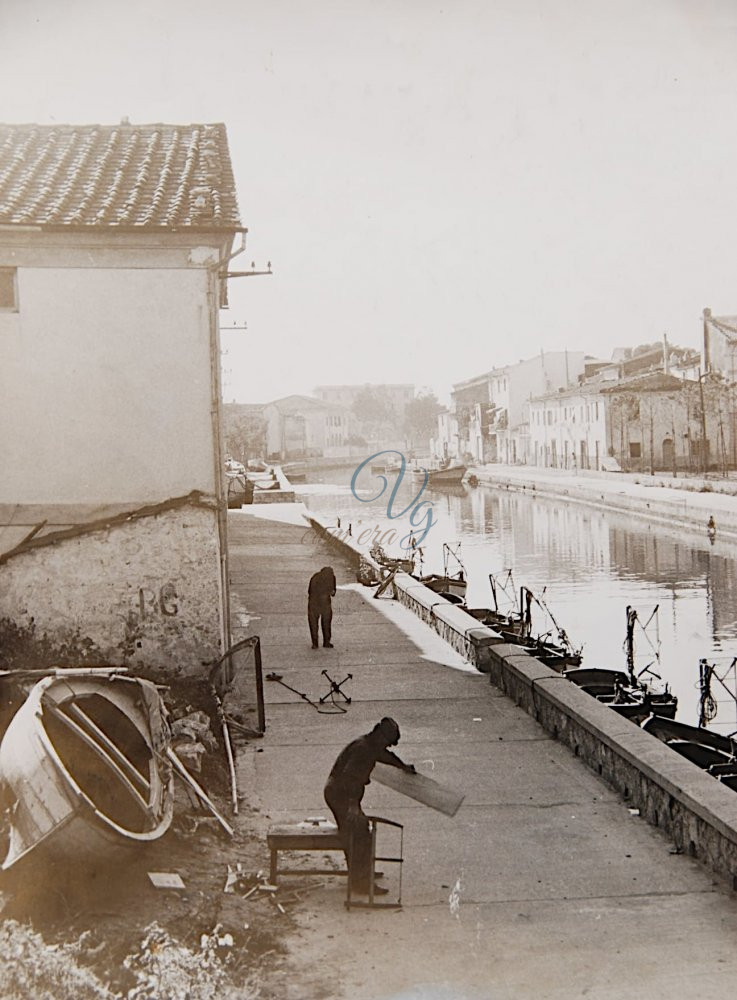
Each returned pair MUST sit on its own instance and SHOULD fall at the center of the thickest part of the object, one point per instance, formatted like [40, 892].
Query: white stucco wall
[105, 385]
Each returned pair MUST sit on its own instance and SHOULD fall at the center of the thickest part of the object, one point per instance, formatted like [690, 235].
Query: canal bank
[685, 503]
[544, 884]
[699, 813]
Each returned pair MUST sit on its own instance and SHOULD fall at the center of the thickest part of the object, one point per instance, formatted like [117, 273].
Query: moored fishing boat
[516, 628]
[710, 751]
[452, 475]
[450, 584]
[627, 692]
[83, 768]
[614, 688]
[669, 729]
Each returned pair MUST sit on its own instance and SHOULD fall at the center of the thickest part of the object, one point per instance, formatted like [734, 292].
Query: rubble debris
[191, 754]
[31, 968]
[235, 877]
[193, 728]
[166, 880]
[165, 969]
[202, 795]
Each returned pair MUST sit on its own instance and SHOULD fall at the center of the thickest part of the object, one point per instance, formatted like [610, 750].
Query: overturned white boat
[83, 767]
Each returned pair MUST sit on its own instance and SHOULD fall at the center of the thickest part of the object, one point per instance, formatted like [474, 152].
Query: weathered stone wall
[144, 592]
[693, 808]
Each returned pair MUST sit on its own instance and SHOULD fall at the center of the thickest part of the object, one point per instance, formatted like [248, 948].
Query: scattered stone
[194, 728]
[191, 755]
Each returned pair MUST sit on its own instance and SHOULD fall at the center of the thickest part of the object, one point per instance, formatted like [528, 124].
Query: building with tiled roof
[651, 421]
[114, 249]
[125, 176]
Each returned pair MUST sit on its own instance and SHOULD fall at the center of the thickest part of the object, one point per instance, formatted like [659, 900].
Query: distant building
[114, 242]
[386, 427]
[627, 362]
[660, 422]
[299, 427]
[645, 423]
[720, 345]
[398, 395]
[491, 409]
[720, 358]
[568, 429]
[447, 444]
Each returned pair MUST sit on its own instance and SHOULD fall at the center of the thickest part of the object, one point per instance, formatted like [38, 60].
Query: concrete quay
[682, 503]
[545, 883]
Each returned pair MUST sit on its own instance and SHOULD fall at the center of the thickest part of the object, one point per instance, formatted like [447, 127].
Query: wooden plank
[419, 787]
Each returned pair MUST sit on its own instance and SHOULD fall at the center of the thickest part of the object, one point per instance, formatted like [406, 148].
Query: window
[634, 449]
[8, 289]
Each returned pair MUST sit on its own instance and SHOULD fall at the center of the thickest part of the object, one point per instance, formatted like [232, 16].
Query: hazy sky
[441, 187]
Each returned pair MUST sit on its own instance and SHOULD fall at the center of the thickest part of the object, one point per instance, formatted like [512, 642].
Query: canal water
[587, 566]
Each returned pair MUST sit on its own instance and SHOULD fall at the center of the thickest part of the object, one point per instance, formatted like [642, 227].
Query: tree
[244, 434]
[372, 407]
[374, 411]
[421, 417]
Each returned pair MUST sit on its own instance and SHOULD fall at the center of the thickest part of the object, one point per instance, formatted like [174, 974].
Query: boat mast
[630, 641]
[525, 608]
[492, 583]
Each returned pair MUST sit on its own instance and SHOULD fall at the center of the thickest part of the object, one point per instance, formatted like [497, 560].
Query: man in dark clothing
[344, 791]
[319, 606]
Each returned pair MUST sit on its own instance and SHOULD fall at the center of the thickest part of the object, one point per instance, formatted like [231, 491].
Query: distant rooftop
[146, 177]
[297, 403]
[365, 385]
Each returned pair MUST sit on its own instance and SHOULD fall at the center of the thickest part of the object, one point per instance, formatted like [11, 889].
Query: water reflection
[588, 564]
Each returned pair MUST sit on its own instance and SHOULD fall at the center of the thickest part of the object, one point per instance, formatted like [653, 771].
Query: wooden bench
[307, 836]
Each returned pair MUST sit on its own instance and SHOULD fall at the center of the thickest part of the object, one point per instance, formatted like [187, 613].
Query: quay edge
[680, 503]
[459, 629]
[692, 808]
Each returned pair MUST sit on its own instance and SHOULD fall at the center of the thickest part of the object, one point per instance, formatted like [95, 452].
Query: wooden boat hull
[703, 756]
[445, 584]
[615, 689]
[452, 476]
[447, 477]
[81, 762]
[667, 729]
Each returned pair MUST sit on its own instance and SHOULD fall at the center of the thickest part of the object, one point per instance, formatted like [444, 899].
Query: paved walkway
[543, 885]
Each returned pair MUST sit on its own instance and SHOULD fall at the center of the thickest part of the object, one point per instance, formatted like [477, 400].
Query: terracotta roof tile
[134, 176]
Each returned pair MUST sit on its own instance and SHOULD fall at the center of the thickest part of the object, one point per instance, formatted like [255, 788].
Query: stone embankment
[693, 808]
[682, 503]
[272, 486]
